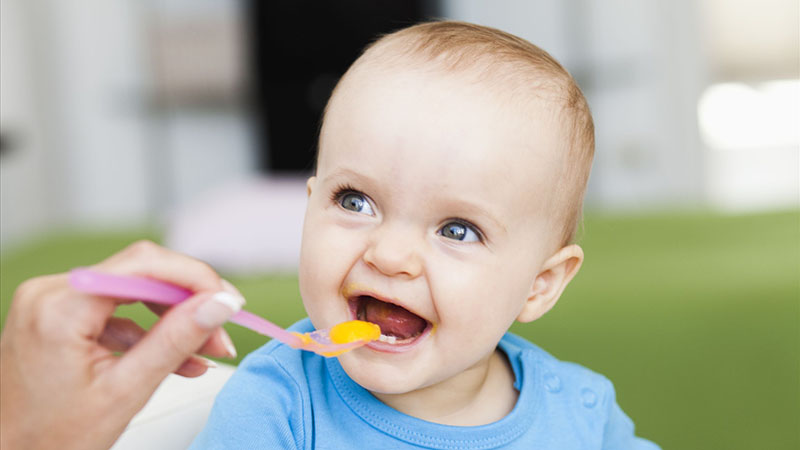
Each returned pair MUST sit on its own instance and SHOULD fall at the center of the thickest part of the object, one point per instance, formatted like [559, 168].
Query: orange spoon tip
[355, 330]
[340, 338]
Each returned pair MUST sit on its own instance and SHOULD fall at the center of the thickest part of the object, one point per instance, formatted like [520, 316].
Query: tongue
[393, 320]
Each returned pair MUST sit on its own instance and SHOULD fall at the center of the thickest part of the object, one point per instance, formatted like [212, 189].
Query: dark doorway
[299, 49]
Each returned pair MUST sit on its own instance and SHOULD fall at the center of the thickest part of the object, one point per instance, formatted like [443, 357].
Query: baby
[452, 164]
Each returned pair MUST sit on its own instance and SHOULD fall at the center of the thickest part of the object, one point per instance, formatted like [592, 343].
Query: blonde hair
[511, 65]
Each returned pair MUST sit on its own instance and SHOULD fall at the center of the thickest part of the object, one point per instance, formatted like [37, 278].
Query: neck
[480, 395]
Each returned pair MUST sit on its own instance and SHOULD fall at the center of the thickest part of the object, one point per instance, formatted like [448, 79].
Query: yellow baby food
[354, 330]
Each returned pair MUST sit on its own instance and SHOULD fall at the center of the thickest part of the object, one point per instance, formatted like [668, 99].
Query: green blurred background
[197, 119]
[695, 318]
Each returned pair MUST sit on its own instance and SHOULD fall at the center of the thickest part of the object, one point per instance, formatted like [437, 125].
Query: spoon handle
[156, 291]
[263, 326]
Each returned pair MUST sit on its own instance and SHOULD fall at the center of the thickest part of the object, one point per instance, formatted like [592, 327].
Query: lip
[385, 346]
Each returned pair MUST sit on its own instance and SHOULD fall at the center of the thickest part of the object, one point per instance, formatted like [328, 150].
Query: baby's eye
[355, 202]
[459, 232]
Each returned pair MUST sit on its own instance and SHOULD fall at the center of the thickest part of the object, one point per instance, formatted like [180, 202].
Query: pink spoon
[156, 291]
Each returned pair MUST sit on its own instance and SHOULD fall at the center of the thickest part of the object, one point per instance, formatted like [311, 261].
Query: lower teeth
[388, 339]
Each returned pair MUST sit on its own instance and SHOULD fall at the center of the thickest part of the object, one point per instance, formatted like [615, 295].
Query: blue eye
[355, 202]
[459, 232]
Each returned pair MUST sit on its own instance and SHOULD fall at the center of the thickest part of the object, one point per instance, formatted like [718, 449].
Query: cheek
[327, 254]
[325, 242]
[486, 297]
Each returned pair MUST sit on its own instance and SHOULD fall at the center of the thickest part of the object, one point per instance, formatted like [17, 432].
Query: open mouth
[399, 326]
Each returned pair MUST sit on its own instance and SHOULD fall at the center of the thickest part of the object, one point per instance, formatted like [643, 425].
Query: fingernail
[228, 286]
[206, 362]
[218, 309]
[228, 343]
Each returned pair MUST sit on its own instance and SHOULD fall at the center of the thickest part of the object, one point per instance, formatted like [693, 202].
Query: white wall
[93, 150]
[101, 66]
[25, 173]
[641, 67]
[77, 98]
[70, 74]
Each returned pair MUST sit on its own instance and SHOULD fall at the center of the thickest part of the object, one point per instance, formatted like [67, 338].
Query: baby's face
[429, 215]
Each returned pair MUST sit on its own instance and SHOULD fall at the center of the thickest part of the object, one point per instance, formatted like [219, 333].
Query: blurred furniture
[175, 413]
[246, 227]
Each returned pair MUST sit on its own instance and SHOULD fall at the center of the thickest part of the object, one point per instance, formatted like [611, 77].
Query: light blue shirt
[283, 398]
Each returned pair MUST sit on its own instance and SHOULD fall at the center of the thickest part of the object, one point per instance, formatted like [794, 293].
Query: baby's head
[452, 164]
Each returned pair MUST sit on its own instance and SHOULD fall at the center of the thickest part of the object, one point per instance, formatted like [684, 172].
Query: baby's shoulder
[274, 358]
[569, 396]
[586, 386]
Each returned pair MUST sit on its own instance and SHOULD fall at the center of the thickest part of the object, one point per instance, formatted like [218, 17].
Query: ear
[310, 185]
[548, 285]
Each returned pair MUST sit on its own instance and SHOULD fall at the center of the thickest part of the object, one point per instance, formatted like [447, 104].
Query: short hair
[494, 55]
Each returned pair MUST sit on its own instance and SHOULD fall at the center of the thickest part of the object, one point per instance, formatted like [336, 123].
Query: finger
[156, 308]
[120, 334]
[36, 295]
[195, 366]
[160, 309]
[145, 258]
[219, 345]
[48, 307]
[174, 338]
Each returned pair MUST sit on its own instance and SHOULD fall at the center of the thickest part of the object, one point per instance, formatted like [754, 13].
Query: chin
[378, 378]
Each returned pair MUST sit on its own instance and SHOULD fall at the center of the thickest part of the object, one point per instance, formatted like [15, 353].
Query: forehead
[439, 131]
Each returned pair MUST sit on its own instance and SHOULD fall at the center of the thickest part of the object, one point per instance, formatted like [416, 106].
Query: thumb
[174, 338]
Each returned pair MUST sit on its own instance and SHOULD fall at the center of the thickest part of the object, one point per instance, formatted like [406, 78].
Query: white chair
[175, 413]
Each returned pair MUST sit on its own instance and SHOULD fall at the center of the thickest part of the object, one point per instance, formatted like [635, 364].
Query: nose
[394, 251]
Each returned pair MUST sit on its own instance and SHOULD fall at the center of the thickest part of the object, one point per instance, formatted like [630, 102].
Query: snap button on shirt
[588, 397]
[552, 383]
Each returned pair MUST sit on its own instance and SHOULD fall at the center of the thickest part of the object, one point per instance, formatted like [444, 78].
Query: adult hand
[61, 386]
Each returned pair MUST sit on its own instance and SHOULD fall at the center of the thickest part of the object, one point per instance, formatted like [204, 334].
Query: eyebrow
[468, 208]
[473, 210]
[345, 172]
